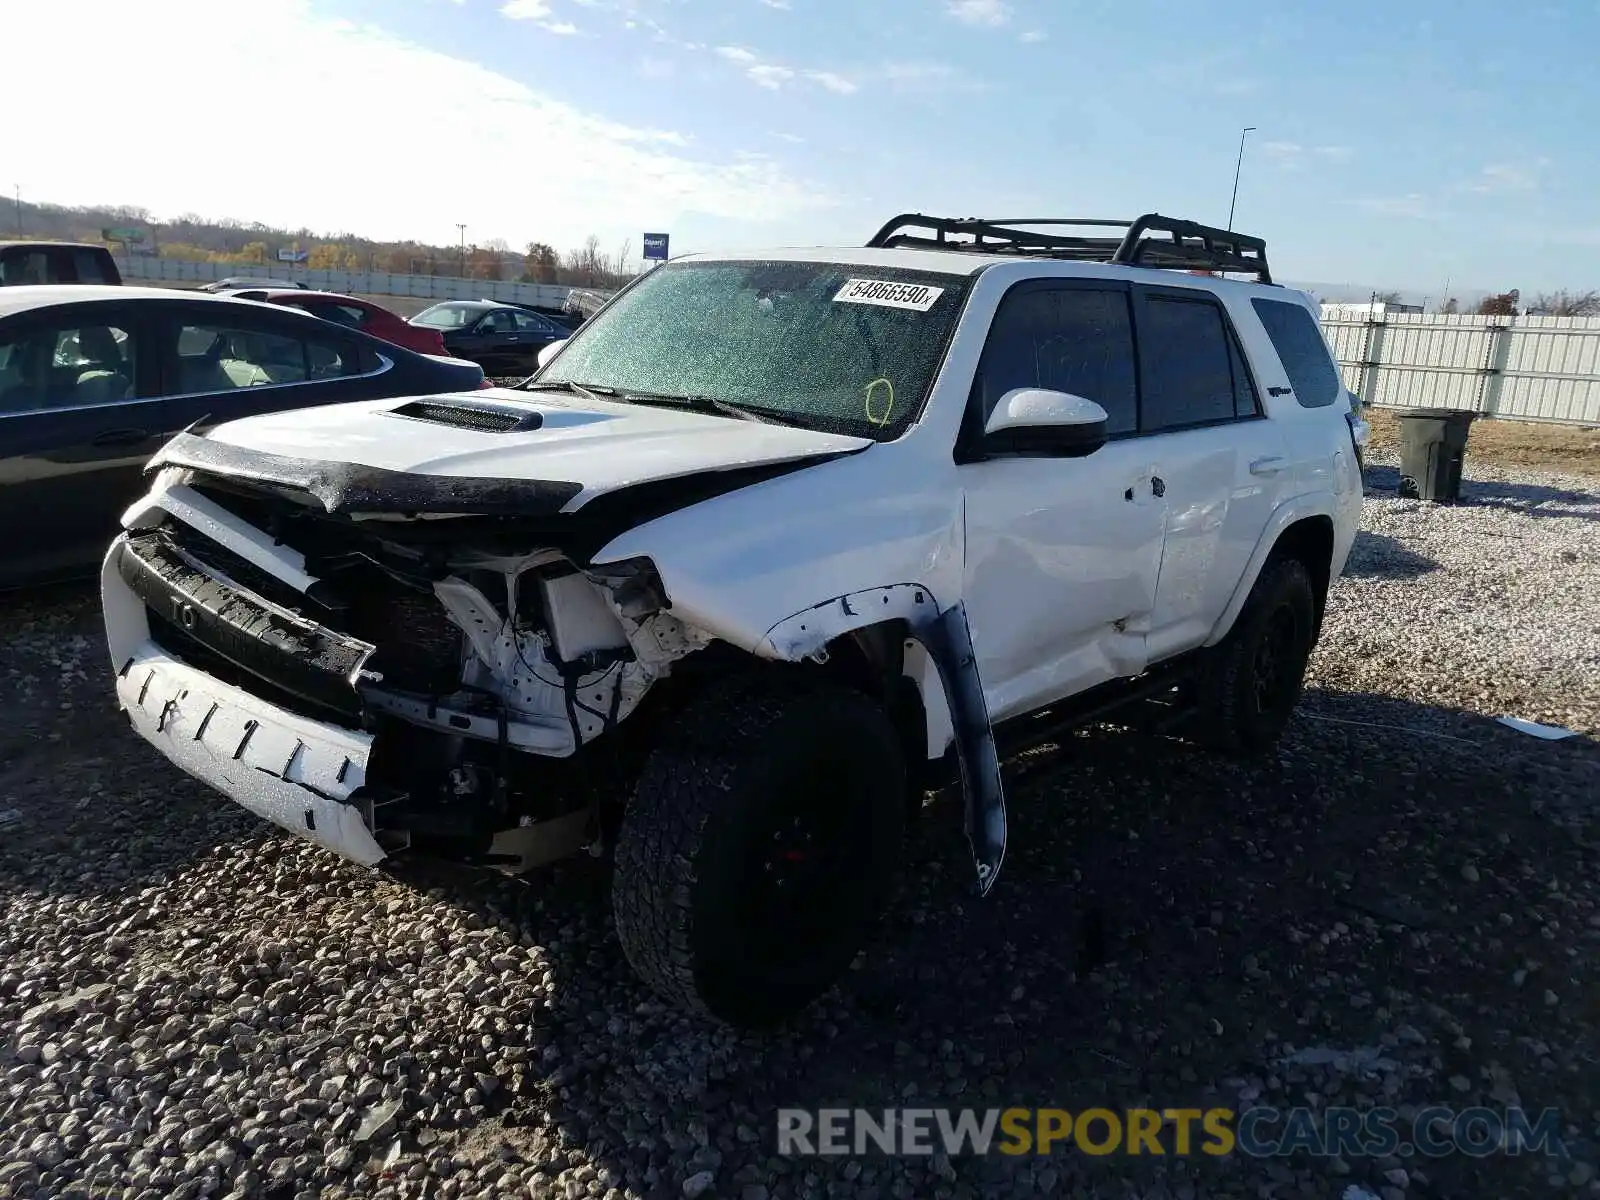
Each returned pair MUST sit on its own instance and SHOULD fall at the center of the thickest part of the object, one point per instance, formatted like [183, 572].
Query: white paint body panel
[600, 444]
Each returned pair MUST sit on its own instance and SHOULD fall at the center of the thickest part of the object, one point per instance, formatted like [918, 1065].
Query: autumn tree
[541, 263]
[1503, 304]
[327, 257]
[483, 263]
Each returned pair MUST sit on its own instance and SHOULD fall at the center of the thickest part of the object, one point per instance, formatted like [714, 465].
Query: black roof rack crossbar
[1187, 245]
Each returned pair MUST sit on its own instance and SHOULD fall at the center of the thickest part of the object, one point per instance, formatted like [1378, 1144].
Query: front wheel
[1249, 684]
[759, 845]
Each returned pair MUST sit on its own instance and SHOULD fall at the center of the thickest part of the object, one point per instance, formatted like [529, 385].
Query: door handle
[120, 437]
[1266, 466]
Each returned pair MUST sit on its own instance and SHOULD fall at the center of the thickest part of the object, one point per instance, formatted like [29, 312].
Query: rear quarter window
[1297, 338]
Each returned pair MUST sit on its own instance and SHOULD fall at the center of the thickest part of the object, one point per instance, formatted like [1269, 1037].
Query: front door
[78, 421]
[1062, 553]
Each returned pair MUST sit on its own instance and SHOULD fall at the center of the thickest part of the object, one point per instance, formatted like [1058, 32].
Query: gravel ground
[191, 1004]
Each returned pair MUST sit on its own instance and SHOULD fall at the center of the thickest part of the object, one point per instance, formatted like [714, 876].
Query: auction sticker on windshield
[916, 296]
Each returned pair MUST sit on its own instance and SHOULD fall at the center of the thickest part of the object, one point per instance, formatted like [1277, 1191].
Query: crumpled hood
[599, 446]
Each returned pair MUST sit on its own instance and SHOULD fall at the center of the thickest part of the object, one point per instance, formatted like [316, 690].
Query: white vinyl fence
[367, 283]
[1524, 368]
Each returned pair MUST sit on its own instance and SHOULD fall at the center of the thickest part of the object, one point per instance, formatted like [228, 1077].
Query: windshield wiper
[592, 391]
[701, 403]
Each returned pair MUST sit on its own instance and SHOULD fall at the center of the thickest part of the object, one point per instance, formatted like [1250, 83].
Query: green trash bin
[1433, 447]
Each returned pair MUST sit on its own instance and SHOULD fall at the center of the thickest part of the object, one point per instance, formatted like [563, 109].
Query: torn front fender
[948, 639]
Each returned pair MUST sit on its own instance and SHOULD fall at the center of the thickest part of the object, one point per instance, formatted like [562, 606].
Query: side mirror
[550, 352]
[1045, 422]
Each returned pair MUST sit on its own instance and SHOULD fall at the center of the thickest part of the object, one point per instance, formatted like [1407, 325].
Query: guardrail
[368, 283]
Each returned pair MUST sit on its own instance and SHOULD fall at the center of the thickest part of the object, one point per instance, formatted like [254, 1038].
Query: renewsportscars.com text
[1257, 1132]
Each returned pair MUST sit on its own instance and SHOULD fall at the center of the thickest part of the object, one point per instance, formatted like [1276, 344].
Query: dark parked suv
[56, 262]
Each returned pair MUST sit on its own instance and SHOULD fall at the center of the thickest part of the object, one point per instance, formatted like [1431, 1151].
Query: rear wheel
[760, 843]
[1247, 688]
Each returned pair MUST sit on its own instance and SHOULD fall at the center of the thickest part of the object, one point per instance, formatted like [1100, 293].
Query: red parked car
[353, 313]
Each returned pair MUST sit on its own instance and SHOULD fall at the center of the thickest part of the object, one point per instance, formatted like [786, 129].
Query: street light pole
[1237, 167]
[463, 230]
[19, 208]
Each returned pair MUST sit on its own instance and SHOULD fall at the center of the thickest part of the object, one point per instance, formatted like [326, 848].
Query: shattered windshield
[848, 349]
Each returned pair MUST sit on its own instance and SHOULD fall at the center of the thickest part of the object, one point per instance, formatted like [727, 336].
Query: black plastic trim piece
[354, 488]
[300, 657]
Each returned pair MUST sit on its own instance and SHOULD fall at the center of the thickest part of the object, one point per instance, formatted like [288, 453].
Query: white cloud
[773, 76]
[538, 12]
[992, 13]
[485, 149]
[1413, 204]
[833, 82]
[927, 77]
[779, 4]
[1293, 154]
[1033, 36]
[1505, 177]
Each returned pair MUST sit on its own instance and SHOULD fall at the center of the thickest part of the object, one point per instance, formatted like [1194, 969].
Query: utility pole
[1237, 167]
[463, 230]
[19, 208]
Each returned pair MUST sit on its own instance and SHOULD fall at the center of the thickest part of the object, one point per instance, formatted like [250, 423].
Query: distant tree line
[1509, 304]
[193, 238]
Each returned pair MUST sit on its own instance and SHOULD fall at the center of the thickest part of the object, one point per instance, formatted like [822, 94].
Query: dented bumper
[299, 773]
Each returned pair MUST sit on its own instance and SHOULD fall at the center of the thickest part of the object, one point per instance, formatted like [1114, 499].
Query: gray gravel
[1402, 908]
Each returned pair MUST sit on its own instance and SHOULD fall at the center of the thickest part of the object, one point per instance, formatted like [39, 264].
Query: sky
[1394, 145]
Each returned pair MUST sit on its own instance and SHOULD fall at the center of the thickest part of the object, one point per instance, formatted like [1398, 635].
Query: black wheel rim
[808, 874]
[1275, 670]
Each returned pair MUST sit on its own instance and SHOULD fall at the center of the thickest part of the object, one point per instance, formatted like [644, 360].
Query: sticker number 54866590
[916, 296]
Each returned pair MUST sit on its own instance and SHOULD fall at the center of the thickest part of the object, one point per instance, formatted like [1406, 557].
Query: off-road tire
[1231, 713]
[690, 871]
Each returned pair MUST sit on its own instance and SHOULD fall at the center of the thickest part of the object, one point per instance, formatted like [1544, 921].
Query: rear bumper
[301, 774]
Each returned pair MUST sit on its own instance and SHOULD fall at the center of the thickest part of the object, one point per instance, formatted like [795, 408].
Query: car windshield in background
[850, 349]
[448, 316]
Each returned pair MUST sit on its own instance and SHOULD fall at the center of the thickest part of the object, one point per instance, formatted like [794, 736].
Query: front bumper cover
[303, 775]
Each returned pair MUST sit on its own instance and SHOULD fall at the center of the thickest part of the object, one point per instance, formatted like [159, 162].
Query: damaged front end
[378, 680]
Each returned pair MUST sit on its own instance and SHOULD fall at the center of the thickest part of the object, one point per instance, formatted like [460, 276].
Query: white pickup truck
[772, 544]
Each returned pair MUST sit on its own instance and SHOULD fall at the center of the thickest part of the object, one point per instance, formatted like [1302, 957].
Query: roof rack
[1189, 246]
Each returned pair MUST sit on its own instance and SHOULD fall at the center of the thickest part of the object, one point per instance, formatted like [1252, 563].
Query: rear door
[220, 362]
[1219, 461]
[78, 420]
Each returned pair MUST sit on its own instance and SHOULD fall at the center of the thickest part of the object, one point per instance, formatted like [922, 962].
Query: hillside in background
[199, 239]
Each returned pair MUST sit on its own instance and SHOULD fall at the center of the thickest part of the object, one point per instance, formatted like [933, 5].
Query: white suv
[772, 544]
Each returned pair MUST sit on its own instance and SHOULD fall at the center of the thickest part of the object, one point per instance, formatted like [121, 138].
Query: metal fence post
[1371, 359]
[1498, 354]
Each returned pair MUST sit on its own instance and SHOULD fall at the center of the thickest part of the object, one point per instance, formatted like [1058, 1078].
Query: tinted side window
[224, 356]
[1298, 341]
[24, 267]
[83, 364]
[1077, 340]
[91, 267]
[1188, 360]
